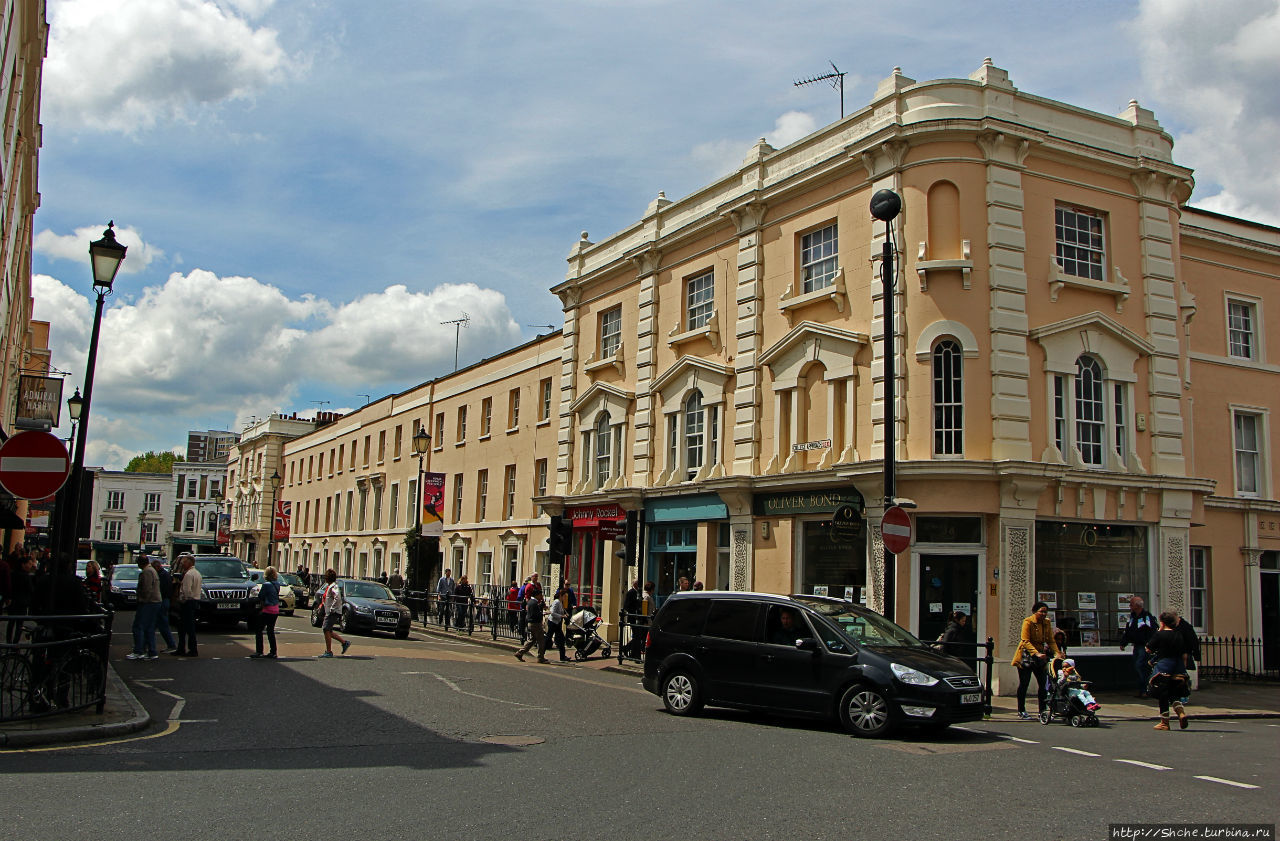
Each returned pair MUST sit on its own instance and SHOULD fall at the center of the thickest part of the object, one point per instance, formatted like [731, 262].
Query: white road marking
[1077, 752]
[1150, 765]
[1224, 782]
[461, 691]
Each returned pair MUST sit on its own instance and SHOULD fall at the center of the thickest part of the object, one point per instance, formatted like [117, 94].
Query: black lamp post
[271, 516]
[106, 255]
[885, 206]
[421, 443]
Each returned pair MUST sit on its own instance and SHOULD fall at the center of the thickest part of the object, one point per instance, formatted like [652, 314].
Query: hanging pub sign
[39, 402]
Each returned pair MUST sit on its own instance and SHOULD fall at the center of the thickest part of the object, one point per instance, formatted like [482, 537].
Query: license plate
[229, 606]
[971, 698]
[388, 620]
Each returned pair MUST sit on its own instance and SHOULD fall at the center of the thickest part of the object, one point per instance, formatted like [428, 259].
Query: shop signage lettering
[824, 444]
[813, 502]
[596, 512]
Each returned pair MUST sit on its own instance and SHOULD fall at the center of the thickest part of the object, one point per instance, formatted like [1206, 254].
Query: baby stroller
[1066, 705]
[583, 635]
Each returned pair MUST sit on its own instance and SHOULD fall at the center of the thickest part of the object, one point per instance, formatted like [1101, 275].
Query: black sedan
[367, 606]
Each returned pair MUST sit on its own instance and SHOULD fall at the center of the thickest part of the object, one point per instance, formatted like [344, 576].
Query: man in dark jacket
[1139, 629]
[632, 604]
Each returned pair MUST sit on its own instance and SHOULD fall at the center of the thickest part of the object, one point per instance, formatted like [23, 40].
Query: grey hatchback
[803, 655]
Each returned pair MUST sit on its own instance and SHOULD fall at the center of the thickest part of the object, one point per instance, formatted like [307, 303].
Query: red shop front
[592, 526]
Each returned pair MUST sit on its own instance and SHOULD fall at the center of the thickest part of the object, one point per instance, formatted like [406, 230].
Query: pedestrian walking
[631, 606]
[93, 580]
[464, 596]
[144, 619]
[444, 597]
[1137, 631]
[534, 607]
[1168, 683]
[959, 640]
[555, 632]
[269, 593]
[1034, 647]
[332, 613]
[513, 606]
[166, 594]
[189, 589]
[396, 582]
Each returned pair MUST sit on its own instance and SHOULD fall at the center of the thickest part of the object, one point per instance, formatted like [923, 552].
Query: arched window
[1090, 411]
[189, 521]
[604, 450]
[694, 429]
[948, 399]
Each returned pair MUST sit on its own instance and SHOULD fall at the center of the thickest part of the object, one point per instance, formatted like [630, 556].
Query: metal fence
[58, 665]
[1232, 659]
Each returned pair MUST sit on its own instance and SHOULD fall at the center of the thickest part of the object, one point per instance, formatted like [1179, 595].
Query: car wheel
[865, 712]
[348, 624]
[680, 693]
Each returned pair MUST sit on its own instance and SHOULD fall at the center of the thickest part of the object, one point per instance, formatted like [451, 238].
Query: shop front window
[835, 560]
[1086, 574]
[673, 550]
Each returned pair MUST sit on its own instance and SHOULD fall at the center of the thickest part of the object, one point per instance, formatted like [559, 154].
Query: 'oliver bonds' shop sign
[806, 502]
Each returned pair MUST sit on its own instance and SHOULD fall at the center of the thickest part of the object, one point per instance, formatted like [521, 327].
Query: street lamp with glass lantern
[106, 256]
[421, 443]
[271, 516]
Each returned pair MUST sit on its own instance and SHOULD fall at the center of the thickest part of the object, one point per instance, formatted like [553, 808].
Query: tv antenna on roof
[458, 324]
[320, 404]
[836, 78]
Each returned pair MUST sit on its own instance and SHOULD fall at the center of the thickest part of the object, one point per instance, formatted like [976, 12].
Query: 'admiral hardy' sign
[39, 402]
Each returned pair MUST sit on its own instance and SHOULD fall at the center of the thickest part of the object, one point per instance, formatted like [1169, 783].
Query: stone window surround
[595, 402]
[673, 389]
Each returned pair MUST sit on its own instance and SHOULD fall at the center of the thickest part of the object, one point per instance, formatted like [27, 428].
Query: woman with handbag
[270, 597]
[1034, 648]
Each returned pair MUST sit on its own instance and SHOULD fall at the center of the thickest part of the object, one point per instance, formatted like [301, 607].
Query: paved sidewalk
[124, 714]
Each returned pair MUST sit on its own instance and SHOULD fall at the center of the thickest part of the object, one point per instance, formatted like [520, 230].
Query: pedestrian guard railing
[1231, 659]
[55, 665]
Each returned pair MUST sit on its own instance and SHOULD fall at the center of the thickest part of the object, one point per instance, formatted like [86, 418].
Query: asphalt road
[437, 739]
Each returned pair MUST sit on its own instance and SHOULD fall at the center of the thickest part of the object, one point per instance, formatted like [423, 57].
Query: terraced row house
[1086, 370]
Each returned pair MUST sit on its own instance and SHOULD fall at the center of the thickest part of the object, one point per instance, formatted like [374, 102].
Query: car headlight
[908, 675]
[363, 610]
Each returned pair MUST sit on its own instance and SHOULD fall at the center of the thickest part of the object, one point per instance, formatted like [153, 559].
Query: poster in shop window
[819, 589]
[1088, 619]
[1089, 638]
[1049, 597]
[1086, 601]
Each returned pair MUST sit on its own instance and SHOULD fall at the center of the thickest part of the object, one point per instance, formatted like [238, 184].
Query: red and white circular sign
[896, 528]
[34, 465]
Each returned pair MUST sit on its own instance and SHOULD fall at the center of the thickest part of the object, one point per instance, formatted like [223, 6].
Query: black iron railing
[1231, 659]
[58, 665]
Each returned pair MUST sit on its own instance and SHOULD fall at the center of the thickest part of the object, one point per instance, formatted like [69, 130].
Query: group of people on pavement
[158, 589]
[1164, 649]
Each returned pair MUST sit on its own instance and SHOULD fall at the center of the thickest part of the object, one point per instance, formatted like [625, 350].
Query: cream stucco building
[1086, 369]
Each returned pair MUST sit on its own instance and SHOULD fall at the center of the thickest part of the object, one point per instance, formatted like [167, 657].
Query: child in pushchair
[584, 636]
[1069, 697]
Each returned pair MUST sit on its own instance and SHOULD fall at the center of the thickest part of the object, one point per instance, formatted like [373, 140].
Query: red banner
[284, 513]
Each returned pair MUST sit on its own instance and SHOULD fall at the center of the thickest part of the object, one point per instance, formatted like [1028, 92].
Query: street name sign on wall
[896, 529]
[34, 465]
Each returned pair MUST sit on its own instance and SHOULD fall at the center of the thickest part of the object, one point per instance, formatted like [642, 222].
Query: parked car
[224, 596]
[288, 601]
[301, 592]
[368, 606]
[804, 655]
[124, 586]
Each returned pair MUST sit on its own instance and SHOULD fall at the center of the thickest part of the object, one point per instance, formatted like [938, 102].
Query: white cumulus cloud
[75, 247]
[721, 157]
[1213, 68]
[127, 66]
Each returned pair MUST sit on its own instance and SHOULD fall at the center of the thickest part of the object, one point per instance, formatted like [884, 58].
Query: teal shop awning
[686, 508]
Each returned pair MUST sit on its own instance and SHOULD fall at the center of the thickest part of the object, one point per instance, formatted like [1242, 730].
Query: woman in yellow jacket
[1034, 648]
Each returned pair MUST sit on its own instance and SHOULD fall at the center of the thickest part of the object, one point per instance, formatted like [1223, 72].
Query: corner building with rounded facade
[1084, 380]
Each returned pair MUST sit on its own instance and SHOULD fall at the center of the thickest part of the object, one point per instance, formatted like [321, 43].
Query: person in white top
[332, 613]
[188, 603]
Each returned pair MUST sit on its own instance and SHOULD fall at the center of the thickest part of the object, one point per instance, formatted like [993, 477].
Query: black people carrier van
[808, 655]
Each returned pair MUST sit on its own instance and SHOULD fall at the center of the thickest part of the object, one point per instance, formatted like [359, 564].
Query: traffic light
[629, 539]
[560, 542]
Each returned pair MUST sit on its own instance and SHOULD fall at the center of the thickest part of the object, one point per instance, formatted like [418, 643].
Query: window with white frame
[439, 430]
[1090, 422]
[393, 515]
[482, 494]
[149, 532]
[544, 402]
[540, 482]
[1242, 342]
[818, 258]
[1248, 453]
[189, 521]
[191, 486]
[462, 424]
[484, 561]
[459, 561]
[610, 332]
[509, 502]
[1080, 246]
[1198, 588]
[699, 300]
[694, 433]
[486, 417]
[513, 408]
[115, 500]
[1095, 418]
[948, 399]
[457, 497]
[151, 502]
[111, 530]
[603, 450]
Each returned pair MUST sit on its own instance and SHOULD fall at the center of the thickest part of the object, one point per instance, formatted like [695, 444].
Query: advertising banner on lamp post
[224, 529]
[284, 512]
[432, 504]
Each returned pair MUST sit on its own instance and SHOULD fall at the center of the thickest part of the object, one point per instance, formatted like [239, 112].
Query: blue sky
[309, 188]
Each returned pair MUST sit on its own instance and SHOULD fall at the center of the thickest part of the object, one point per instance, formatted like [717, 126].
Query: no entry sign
[896, 528]
[33, 465]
